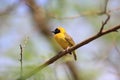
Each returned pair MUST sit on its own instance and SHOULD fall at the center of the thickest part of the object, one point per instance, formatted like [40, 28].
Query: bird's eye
[57, 31]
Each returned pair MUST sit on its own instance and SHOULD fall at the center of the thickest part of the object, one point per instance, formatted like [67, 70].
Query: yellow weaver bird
[64, 40]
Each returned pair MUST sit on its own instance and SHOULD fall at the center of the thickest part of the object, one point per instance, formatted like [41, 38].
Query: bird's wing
[69, 39]
[71, 43]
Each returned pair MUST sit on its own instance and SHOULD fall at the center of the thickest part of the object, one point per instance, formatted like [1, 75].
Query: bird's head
[59, 30]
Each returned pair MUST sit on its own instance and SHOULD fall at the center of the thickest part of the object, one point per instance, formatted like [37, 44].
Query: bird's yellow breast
[60, 38]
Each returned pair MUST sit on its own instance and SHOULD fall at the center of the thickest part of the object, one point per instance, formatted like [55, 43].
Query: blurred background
[29, 22]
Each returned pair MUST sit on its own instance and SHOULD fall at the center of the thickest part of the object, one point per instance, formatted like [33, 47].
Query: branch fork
[104, 23]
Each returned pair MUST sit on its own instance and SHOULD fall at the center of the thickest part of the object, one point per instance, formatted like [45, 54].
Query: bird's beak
[53, 31]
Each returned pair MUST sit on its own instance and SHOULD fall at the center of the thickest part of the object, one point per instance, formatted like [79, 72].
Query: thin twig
[21, 63]
[88, 13]
[10, 8]
[104, 23]
[105, 8]
[106, 3]
[62, 53]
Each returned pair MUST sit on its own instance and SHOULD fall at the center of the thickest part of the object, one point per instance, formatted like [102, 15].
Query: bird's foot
[67, 50]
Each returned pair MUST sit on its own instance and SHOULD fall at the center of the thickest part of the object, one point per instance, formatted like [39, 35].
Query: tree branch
[62, 53]
[104, 23]
[21, 62]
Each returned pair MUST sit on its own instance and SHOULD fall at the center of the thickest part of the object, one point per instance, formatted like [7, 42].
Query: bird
[64, 40]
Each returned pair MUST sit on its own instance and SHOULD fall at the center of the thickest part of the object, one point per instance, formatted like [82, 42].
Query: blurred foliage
[16, 22]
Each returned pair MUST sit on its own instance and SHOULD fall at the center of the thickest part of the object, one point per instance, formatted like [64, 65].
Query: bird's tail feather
[74, 54]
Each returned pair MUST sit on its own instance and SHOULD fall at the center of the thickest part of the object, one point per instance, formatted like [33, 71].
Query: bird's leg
[67, 49]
